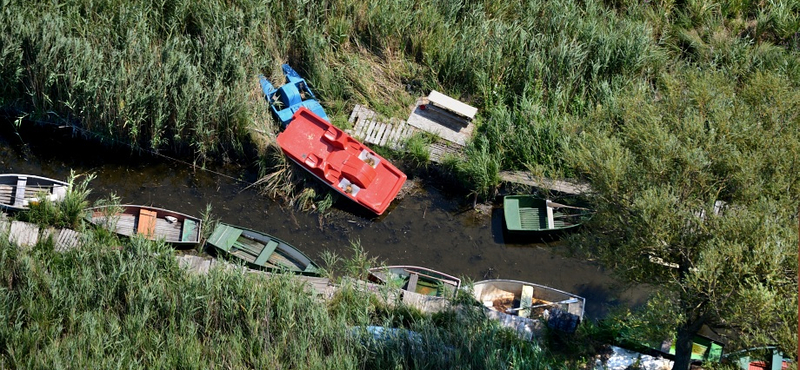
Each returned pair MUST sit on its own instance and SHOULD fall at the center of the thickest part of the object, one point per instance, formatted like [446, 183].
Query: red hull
[340, 161]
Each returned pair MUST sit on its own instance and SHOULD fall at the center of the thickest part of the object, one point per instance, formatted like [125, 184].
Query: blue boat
[287, 99]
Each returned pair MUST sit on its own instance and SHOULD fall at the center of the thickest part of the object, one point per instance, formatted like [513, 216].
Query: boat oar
[559, 205]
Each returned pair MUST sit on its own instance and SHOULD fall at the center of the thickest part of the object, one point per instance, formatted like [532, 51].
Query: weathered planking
[448, 126]
[563, 186]
[371, 130]
[23, 234]
[394, 133]
[200, 265]
[67, 239]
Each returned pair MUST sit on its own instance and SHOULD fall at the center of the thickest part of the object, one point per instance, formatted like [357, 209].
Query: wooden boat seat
[263, 257]
[525, 301]
[189, 232]
[19, 197]
[147, 223]
[413, 279]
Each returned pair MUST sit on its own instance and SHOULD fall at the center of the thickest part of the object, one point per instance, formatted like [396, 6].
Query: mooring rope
[133, 147]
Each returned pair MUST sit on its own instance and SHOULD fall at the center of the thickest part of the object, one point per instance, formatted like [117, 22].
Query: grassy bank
[181, 76]
[97, 306]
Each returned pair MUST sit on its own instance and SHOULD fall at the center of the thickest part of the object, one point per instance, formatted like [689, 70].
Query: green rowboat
[526, 213]
[261, 250]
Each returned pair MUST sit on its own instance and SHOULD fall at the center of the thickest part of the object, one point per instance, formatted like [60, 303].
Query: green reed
[181, 77]
[96, 306]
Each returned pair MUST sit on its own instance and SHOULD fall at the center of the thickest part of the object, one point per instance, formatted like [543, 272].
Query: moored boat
[340, 161]
[562, 311]
[261, 250]
[527, 213]
[284, 101]
[417, 279]
[153, 223]
[18, 191]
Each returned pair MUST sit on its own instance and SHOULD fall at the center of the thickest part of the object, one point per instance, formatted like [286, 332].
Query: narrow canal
[428, 227]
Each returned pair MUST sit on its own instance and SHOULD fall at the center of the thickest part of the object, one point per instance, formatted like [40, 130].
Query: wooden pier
[563, 186]
[446, 118]
[27, 235]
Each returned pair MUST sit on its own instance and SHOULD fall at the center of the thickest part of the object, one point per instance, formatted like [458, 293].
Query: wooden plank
[397, 126]
[23, 234]
[526, 300]
[67, 239]
[563, 186]
[370, 128]
[359, 129]
[20, 191]
[266, 252]
[147, 223]
[413, 279]
[453, 105]
[376, 139]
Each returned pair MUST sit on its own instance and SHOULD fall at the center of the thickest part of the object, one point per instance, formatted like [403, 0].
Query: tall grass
[181, 77]
[134, 307]
[66, 213]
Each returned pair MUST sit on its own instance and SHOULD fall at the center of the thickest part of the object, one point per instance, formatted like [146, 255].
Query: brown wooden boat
[154, 223]
[17, 191]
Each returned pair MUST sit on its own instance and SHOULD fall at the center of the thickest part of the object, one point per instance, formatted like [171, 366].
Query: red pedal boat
[340, 161]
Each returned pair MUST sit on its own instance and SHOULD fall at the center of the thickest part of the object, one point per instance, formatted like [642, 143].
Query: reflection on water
[427, 227]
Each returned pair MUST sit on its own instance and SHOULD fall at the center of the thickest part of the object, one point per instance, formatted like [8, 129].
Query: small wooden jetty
[446, 118]
[26, 235]
[572, 187]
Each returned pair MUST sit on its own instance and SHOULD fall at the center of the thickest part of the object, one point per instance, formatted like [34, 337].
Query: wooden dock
[437, 120]
[392, 133]
[26, 235]
[563, 186]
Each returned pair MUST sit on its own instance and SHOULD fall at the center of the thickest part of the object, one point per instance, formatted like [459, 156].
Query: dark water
[428, 227]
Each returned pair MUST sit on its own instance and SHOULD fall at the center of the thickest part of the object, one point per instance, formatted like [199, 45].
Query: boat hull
[284, 101]
[341, 162]
[427, 282]
[563, 310]
[18, 191]
[153, 223]
[261, 250]
[528, 214]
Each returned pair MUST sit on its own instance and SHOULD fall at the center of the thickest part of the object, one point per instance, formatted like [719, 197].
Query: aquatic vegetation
[138, 303]
[66, 213]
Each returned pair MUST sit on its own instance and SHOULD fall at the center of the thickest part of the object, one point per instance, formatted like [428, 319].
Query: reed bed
[96, 306]
[179, 76]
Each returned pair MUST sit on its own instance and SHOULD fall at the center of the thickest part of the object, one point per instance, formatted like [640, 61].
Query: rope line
[134, 147]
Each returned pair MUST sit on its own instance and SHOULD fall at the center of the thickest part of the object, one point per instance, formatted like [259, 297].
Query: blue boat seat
[290, 95]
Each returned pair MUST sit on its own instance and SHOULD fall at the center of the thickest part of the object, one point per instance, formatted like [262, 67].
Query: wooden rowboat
[17, 191]
[527, 213]
[563, 311]
[261, 250]
[154, 223]
[341, 162]
[417, 279]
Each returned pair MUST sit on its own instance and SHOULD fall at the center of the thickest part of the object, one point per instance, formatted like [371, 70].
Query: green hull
[261, 250]
[526, 213]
